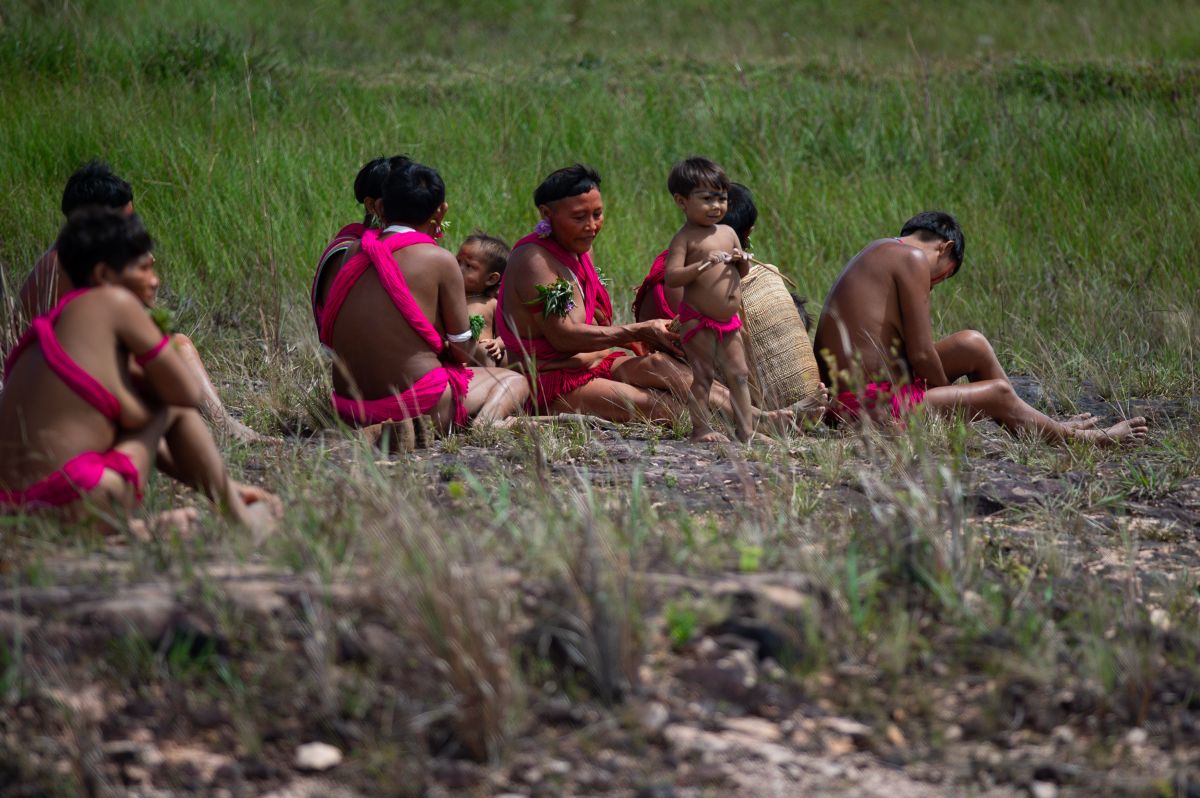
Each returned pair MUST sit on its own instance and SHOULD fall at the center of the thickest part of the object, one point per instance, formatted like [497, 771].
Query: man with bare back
[395, 318]
[555, 317]
[94, 184]
[875, 341]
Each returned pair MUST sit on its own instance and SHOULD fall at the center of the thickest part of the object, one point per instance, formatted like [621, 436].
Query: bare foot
[1080, 421]
[1130, 431]
[254, 508]
[243, 434]
[712, 436]
[758, 437]
[181, 521]
[391, 436]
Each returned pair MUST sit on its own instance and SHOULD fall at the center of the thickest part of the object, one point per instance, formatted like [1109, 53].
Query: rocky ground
[245, 675]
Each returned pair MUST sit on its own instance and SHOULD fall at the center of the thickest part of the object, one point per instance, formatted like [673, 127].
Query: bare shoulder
[728, 236]
[118, 299]
[531, 265]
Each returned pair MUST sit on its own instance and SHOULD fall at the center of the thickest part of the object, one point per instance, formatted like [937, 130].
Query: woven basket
[781, 356]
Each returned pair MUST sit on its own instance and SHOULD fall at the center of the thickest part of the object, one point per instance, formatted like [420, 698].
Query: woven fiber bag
[781, 358]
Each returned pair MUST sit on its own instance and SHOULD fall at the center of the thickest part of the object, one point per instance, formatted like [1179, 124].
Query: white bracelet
[459, 338]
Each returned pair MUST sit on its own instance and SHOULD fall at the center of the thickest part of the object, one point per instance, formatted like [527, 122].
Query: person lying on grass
[706, 260]
[396, 321]
[94, 184]
[80, 427]
[555, 316]
[875, 341]
[482, 259]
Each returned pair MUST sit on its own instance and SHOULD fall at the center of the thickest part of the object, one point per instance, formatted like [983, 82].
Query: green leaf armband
[555, 299]
[477, 323]
[163, 319]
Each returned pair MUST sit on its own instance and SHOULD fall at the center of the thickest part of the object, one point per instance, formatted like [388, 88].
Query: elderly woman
[80, 425]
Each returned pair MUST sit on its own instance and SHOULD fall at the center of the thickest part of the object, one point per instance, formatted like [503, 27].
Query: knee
[1001, 392]
[975, 340]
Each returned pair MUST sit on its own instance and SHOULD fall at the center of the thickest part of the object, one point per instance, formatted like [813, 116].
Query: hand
[720, 256]
[494, 348]
[658, 334]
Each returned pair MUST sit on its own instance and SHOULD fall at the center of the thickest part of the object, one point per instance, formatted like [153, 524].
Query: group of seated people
[95, 394]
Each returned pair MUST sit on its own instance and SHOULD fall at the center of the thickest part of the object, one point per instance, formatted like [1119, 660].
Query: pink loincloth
[721, 328]
[901, 400]
[551, 384]
[79, 476]
[418, 400]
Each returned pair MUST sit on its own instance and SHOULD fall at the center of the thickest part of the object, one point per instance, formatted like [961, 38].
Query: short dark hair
[95, 184]
[691, 173]
[370, 179]
[742, 213]
[494, 250]
[940, 225]
[412, 193]
[570, 181]
[96, 234]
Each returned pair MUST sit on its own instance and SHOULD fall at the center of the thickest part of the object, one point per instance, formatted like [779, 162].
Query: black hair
[370, 179]
[96, 234]
[691, 173]
[742, 213]
[412, 193]
[802, 308]
[95, 184]
[570, 181]
[495, 252]
[941, 225]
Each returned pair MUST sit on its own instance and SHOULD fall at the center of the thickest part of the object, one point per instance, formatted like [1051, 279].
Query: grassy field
[976, 592]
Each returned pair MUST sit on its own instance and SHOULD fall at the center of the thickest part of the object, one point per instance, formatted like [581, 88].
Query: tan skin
[649, 387]
[48, 283]
[379, 354]
[101, 330]
[876, 326]
[480, 284]
[705, 259]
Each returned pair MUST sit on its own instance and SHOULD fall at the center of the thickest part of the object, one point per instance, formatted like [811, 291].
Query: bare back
[43, 422]
[861, 325]
[379, 352]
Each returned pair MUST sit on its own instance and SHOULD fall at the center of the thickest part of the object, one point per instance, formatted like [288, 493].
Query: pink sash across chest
[344, 239]
[595, 297]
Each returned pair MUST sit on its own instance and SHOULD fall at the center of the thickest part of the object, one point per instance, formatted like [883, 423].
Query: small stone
[1044, 789]
[895, 736]
[707, 648]
[317, 757]
[847, 727]
[1063, 734]
[558, 767]
[1136, 737]
[1160, 619]
[954, 733]
[755, 727]
[652, 717]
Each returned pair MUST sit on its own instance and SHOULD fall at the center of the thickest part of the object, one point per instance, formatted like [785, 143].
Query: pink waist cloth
[653, 290]
[721, 328]
[550, 384]
[901, 399]
[79, 476]
[418, 400]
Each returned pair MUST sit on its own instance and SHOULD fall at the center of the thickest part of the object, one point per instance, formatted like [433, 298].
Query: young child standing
[705, 259]
[482, 259]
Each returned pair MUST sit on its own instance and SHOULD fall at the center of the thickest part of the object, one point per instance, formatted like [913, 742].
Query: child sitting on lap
[706, 259]
[482, 259]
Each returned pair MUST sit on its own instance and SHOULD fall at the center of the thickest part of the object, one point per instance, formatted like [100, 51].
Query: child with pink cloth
[705, 258]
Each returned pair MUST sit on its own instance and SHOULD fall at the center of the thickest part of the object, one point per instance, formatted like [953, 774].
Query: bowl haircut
[696, 172]
[941, 225]
[95, 184]
[495, 252]
[412, 193]
[570, 181]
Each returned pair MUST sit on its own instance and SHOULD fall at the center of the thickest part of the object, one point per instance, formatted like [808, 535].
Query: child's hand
[720, 256]
[494, 348]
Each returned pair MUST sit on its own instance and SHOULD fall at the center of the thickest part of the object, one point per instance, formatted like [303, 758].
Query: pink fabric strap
[377, 254]
[722, 328]
[78, 476]
[153, 352]
[418, 400]
[63, 365]
[344, 238]
[651, 290]
[595, 297]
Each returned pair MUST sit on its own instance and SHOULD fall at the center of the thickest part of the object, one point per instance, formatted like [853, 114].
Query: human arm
[678, 273]
[452, 307]
[912, 290]
[164, 372]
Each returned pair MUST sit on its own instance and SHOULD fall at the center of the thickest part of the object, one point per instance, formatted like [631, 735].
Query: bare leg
[195, 461]
[969, 354]
[211, 405]
[495, 394]
[997, 400]
[619, 401]
[701, 351]
[731, 351]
